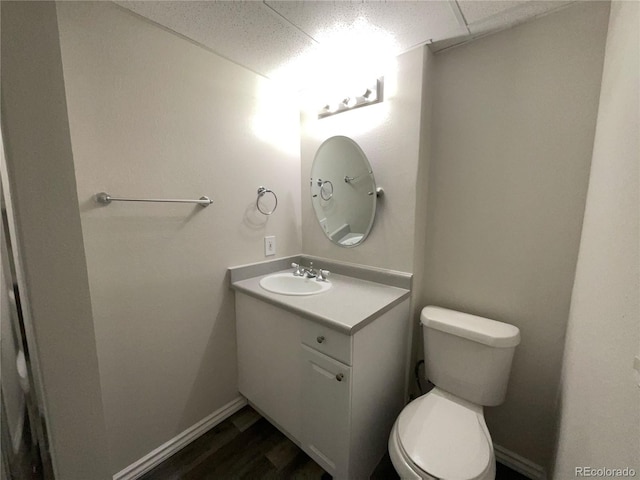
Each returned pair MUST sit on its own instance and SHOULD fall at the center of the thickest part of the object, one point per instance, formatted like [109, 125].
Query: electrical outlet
[269, 246]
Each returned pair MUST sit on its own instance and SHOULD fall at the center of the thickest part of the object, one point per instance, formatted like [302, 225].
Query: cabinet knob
[320, 339]
[339, 377]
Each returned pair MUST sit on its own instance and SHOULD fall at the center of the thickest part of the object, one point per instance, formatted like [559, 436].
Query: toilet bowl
[438, 436]
[443, 434]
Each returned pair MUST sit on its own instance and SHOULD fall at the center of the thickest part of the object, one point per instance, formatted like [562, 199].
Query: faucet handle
[323, 275]
[298, 271]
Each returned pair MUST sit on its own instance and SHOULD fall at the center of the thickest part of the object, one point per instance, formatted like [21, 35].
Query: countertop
[348, 306]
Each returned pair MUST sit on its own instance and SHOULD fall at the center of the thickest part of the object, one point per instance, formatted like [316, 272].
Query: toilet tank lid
[479, 329]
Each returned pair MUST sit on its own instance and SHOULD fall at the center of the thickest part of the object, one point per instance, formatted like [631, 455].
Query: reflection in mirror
[343, 191]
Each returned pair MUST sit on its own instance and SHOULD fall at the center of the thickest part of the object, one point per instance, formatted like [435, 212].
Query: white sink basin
[286, 283]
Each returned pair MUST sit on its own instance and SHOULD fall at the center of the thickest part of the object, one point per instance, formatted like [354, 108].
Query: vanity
[328, 369]
[323, 354]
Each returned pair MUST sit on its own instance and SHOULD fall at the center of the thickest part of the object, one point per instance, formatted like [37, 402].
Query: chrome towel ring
[326, 190]
[261, 192]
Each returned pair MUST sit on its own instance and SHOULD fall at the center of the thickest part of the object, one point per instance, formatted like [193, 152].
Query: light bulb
[370, 95]
[350, 102]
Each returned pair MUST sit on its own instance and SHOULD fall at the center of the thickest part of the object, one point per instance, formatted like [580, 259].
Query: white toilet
[442, 434]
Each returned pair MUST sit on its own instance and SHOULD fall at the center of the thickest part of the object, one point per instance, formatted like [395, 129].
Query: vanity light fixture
[368, 96]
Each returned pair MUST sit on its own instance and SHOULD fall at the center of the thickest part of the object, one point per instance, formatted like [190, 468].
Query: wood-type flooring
[246, 446]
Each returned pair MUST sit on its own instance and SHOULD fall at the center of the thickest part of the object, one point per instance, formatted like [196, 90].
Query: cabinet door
[326, 395]
[269, 366]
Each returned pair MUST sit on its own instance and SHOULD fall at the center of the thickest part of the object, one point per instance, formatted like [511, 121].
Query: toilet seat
[445, 437]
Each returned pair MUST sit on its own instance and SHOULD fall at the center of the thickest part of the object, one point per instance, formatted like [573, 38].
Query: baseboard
[164, 451]
[519, 464]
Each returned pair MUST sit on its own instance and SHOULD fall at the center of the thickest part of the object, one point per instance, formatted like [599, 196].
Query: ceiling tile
[293, 41]
[477, 10]
[248, 33]
[487, 16]
[410, 23]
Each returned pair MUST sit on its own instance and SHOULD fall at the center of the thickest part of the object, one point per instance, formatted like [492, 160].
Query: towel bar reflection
[105, 199]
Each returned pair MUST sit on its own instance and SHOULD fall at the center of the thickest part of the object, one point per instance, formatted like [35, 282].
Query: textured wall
[153, 115]
[600, 399]
[513, 121]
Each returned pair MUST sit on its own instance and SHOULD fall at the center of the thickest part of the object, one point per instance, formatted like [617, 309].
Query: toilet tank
[467, 355]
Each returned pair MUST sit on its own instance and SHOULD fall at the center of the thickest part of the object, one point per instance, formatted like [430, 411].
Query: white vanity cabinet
[326, 401]
[269, 367]
[334, 391]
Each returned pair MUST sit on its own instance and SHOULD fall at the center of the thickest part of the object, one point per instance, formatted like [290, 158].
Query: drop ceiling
[267, 36]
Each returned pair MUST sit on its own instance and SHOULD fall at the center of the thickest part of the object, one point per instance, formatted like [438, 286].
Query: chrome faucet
[310, 272]
[300, 271]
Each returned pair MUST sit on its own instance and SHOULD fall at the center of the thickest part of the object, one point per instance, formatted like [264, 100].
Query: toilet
[443, 434]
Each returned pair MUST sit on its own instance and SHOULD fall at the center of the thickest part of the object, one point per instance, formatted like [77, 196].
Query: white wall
[153, 115]
[389, 135]
[513, 122]
[600, 398]
[52, 273]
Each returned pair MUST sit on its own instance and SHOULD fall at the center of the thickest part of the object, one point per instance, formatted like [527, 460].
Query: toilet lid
[444, 438]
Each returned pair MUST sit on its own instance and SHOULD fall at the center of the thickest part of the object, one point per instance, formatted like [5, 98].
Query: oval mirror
[343, 191]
